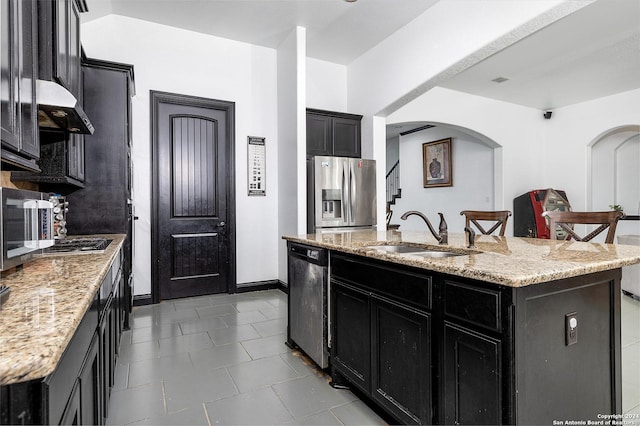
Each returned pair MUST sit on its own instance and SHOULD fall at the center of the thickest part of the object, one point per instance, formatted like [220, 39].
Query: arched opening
[614, 174]
[476, 173]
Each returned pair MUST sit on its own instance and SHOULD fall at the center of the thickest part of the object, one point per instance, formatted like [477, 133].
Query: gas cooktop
[78, 246]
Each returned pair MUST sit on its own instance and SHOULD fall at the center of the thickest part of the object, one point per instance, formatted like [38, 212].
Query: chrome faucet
[442, 236]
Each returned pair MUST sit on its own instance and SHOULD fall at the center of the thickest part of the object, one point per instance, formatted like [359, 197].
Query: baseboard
[142, 299]
[256, 286]
[145, 299]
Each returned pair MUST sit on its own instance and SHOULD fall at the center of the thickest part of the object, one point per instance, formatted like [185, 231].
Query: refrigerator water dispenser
[331, 204]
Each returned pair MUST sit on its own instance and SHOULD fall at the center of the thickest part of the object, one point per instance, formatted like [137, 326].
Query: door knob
[222, 223]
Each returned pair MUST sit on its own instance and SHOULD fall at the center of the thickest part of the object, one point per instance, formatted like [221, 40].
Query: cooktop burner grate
[79, 246]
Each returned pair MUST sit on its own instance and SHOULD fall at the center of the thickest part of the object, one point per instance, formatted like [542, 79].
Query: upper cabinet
[62, 154]
[40, 52]
[333, 133]
[19, 62]
[59, 42]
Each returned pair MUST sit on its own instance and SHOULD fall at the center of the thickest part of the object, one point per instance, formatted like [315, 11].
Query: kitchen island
[511, 331]
[59, 329]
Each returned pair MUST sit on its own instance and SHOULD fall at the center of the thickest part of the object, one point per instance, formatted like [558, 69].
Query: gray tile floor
[221, 360]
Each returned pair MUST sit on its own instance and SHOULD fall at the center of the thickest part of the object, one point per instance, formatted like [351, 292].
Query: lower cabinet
[380, 343]
[71, 415]
[401, 361]
[107, 363]
[83, 406]
[77, 392]
[428, 347]
[351, 337]
[471, 377]
[89, 380]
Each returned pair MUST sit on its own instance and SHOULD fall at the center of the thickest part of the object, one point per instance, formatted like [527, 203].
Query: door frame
[157, 98]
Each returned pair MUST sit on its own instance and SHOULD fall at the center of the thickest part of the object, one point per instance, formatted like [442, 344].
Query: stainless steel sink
[399, 248]
[437, 254]
[408, 250]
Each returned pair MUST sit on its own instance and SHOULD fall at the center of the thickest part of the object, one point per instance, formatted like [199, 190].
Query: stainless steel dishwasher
[308, 277]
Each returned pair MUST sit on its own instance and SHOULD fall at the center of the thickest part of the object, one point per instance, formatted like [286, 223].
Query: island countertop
[508, 261]
[49, 297]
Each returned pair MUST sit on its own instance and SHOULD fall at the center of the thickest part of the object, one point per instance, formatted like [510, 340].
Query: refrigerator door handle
[353, 195]
[345, 196]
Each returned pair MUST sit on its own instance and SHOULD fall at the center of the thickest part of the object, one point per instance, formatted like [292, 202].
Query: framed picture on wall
[437, 168]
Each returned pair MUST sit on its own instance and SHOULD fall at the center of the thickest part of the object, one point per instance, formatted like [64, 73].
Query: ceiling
[589, 54]
[337, 31]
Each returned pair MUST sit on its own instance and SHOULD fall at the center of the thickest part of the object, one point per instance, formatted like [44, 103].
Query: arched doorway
[477, 173]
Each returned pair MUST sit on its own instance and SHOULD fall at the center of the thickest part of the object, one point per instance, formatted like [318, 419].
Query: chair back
[566, 220]
[498, 218]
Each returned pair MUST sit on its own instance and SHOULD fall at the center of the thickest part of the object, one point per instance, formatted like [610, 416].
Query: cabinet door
[351, 337]
[90, 401]
[471, 378]
[71, 415]
[19, 63]
[346, 137]
[318, 135]
[9, 76]
[401, 361]
[61, 33]
[75, 156]
[106, 357]
[73, 60]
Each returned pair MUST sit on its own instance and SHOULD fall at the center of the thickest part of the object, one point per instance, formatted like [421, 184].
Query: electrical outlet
[571, 328]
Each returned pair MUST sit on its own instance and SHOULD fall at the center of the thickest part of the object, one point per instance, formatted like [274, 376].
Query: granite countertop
[509, 261]
[49, 297]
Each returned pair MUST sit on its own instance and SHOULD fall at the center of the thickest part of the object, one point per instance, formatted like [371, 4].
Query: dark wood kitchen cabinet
[428, 347]
[62, 158]
[333, 134]
[59, 42]
[351, 338]
[382, 336]
[62, 162]
[471, 377]
[104, 205]
[472, 368]
[78, 391]
[19, 61]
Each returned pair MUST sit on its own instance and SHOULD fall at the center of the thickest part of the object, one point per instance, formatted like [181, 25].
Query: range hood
[58, 109]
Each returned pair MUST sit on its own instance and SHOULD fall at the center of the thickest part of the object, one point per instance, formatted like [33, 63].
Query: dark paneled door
[193, 196]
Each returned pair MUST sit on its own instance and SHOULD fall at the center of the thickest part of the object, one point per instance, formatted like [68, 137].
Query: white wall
[326, 85]
[184, 62]
[291, 217]
[473, 175]
[514, 131]
[446, 39]
[572, 131]
[536, 153]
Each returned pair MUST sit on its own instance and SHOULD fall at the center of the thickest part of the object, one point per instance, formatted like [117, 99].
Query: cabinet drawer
[472, 304]
[408, 287]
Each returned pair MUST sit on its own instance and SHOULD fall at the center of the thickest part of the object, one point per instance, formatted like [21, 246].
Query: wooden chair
[566, 220]
[500, 218]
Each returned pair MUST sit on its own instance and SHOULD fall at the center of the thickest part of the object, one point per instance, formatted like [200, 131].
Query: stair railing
[393, 182]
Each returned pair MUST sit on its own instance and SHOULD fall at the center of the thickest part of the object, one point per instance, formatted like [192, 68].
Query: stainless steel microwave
[27, 225]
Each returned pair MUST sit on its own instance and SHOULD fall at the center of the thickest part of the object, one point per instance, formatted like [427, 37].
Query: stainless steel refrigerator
[341, 193]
